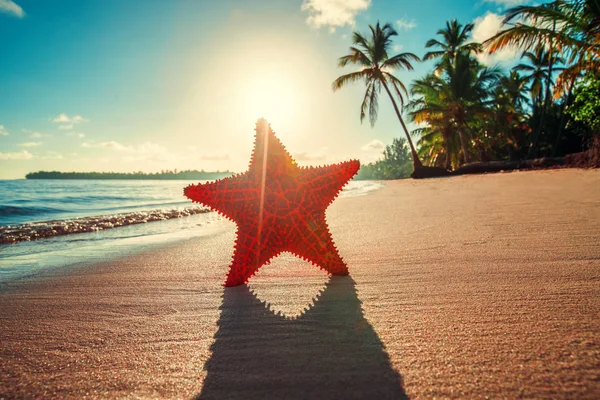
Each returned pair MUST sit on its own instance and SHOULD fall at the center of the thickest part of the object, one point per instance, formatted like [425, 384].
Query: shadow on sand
[330, 351]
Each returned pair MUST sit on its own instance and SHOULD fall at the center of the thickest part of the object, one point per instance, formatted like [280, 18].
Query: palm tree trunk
[463, 144]
[448, 160]
[470, 131]
[543, 105]
[546, 105]
[561, 125]
[416, 162]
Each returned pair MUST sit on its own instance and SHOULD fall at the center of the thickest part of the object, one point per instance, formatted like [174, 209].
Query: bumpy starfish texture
[278, 207]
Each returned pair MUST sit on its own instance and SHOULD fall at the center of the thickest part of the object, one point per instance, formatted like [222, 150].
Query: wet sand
[465, 287]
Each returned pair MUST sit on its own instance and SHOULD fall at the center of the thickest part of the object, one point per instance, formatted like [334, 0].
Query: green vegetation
[395, 164]
[586, 103]
[163, 175]
[547, 105]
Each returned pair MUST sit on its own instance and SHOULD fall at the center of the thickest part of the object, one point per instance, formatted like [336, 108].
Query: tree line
[163, 175]
[547, 105]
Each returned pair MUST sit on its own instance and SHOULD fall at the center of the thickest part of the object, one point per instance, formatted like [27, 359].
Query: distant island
[163, 175]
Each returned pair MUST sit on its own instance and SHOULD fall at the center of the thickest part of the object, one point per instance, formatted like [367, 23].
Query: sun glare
[270, 97]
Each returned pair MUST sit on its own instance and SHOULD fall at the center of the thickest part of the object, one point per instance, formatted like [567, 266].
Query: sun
[268, 96]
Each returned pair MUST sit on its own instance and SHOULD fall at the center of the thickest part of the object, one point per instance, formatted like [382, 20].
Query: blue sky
[149, 85]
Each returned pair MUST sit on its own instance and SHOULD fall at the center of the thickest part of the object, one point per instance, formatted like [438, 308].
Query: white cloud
[333, 13]
[508, 3]
[371, 151]
[3, 131]
[10, 7]
[61, 118]
[106, 145]
[320, 155]
[52, 155]
[215, 157]
[78, 118]
[486, 27]
[144, 152]
[30, 144]
[397, 48]
[36, 135]
[68, 122]
[404, 24]
[77, 134]
[20, 155]
[374, 145]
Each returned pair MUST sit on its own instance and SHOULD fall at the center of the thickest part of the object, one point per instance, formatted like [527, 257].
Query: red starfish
[278, 207]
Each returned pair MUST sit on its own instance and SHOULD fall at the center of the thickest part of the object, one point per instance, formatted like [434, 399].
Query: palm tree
[436, 137]
[535, 72]
[461, 94]
[539, 70]
[572, 27]
[511, 91]
[506, 128]
[372, 56]
[455, 40]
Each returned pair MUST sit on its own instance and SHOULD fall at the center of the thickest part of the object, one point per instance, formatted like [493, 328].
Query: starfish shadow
[330, 351]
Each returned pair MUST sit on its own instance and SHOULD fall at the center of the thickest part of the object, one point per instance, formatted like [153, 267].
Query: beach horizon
[463, 287]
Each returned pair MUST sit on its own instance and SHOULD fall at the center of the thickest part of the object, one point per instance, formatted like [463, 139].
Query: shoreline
[11, 234]
[461, 287]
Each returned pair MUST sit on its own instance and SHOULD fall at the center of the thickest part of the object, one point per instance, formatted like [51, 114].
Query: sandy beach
[465, 287]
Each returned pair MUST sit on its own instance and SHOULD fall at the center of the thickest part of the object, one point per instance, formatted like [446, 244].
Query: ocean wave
[87, 198]
[148, 205]
[8, 211]
[39, 230]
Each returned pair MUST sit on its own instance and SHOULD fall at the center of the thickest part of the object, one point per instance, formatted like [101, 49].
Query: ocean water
[39, 203]
[23, 201]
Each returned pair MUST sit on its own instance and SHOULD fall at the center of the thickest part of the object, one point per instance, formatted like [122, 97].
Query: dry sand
[470, 287]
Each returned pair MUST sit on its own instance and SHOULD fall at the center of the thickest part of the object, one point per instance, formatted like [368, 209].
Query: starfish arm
[248, 256]
[269, 152]
[235, 197]
[313, 243]
[324, 183]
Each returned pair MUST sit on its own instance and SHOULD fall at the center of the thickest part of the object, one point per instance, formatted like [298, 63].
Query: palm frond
[433, 55]
[356, 56]
[402, 60]
[543, 16]
[365, 103]
[362, 42]
[434, 42]
[349, 78]
[373, 103]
